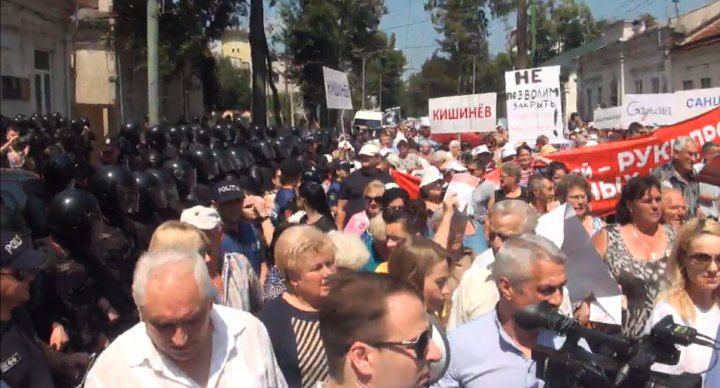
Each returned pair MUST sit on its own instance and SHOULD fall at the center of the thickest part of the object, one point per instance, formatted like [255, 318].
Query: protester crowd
[217, 254]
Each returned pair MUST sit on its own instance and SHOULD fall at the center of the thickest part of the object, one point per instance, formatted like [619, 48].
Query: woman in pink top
[359, 222]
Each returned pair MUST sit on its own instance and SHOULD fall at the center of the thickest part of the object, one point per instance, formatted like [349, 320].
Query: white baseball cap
[481, 149]
[369, 149]
[430, 175]
[507, 151]
[425, 121]
[201, 217]
[456, 167]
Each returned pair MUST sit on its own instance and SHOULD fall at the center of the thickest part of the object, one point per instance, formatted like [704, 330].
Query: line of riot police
[93, 221]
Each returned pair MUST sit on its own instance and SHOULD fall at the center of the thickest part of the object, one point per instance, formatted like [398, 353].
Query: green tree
[186, 28]
[339, 34]
[562, 26]
[234, 86]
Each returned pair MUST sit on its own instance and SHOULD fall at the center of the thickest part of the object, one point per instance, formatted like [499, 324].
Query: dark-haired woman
[525, 161]
[636, 249]
[317, 211]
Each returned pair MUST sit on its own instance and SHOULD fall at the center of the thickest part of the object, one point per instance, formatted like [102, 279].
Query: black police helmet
[153, 158]
[167, 182]
[152, 193]
[201, 157]
[130, 131]
[115, 189]
[58, 170]
[156, 137]
[72, 214]
[183, 173]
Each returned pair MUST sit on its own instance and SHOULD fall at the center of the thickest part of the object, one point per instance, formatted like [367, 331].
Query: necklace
[637, 237]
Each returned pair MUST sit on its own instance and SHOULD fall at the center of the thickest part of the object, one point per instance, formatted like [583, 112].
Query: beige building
[36, 46]
[681, 55]
[235, 46]
[111, 83]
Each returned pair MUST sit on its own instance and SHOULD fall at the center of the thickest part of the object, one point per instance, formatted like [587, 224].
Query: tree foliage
[338, 34]
[234, 86]
[563, 25]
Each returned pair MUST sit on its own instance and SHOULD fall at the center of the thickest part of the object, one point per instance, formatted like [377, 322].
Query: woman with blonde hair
[693, 298]
[424, 264]
[305, 258]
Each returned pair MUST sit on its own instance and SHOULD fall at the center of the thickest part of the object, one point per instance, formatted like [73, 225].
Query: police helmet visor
[159, 197]
[128, 199]
[225, 163]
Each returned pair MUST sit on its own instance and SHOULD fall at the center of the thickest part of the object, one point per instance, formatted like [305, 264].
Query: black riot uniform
[201, 157]
[58, 173]
[167, 183]
[153, 197]
[78, 232]
[117, 195]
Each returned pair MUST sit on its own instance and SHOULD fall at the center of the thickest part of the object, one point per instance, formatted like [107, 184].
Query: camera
[626, 363]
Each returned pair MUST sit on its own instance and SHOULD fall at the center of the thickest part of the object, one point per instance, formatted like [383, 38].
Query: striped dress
[310, 350]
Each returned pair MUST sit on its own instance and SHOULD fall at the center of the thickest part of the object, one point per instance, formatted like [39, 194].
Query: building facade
[35, 41]
[680, 55]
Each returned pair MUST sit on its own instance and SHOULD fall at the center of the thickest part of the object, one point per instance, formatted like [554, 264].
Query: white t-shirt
[693, 358]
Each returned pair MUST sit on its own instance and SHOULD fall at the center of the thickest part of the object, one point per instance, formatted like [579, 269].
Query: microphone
[543, 316]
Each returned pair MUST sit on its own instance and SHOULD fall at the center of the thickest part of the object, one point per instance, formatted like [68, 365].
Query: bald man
[674, 207]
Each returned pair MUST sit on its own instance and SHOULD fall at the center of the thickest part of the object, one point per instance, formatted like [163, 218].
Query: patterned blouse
[641, 280]
[274, 284]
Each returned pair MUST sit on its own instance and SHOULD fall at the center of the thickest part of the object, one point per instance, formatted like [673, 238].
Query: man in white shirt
[184, 340]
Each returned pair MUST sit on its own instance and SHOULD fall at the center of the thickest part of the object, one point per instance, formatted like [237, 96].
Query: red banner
[608, 166]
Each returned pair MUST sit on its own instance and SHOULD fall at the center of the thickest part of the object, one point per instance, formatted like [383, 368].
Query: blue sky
[417, 37]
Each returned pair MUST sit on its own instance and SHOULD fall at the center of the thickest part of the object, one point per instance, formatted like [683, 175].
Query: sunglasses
[19, 274]
[373, 199]
[419, 345]
[703, 260]
[501, 236]
[203, 251]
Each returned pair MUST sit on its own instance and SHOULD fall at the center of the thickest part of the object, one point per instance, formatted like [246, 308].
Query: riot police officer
[89, 270]
[25, 361]
[152, 197]
[57, 175]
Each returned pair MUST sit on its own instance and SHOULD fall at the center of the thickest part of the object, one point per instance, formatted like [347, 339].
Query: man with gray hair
[679, 173]
[476, 293]
[529, 269]
[183, 339]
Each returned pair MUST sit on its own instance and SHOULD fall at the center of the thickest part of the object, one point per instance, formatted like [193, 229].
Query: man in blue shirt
[528, 269]
[239, 235]
[290, 172]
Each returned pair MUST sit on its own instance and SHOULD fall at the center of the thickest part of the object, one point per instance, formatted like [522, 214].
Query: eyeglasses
[419, 345]
[503, 237]
[19, 274]
[373, 199]
[703, 260]
[203, 251]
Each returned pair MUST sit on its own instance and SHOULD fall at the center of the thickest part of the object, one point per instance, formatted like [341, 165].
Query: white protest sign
[459, 114]
[691, 103]
[648, 109]
[337, 89]
[608, 118]
[534, 104]
[463, 186]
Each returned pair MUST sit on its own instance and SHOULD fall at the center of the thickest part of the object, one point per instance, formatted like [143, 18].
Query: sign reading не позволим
[534, 105]
[337, 89]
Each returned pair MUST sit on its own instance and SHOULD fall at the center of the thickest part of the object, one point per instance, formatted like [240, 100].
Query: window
[687, 85]
[614, 92]
[655, 83]
[638, 86]
[599, 96]
[588, 94]
[43, 85]
[705, 83]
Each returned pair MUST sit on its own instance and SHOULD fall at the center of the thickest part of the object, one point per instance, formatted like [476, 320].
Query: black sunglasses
[419, 345]
[373, 199]
[502, 237]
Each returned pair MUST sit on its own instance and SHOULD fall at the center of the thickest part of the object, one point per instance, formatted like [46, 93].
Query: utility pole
[364, 61]
[474, 65]
[153, 62]
[677, 9]
[521, 38]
